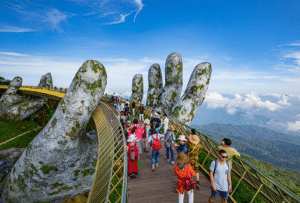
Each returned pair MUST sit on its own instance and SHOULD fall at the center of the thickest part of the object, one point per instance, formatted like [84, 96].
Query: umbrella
[138, 132]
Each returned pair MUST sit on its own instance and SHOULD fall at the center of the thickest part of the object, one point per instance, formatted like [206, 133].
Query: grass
[10, 128]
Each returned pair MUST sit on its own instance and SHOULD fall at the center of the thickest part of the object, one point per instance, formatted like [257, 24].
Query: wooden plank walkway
[158, 186]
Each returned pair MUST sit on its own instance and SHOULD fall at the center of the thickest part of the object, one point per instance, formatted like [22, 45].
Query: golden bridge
[110, 182]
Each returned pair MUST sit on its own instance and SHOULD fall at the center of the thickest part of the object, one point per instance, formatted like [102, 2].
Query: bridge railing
[110, 182]
[265, 188]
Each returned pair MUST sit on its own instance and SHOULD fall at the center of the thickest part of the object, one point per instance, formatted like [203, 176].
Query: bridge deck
[158, 186]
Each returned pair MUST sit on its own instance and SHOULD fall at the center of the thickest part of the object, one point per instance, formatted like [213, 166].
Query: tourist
[142, 109]
[119, 109]
[146, 133]
[220, 177]
[156, 122]
[129, 117]
[166, 123]
[133, 107]
[225, 145]
[184, 172]
[139, 131]
[133, 157]
[154, 141]
[152, 115]
[126, 108]
[194, 149]
[182, 147]
[169, 141]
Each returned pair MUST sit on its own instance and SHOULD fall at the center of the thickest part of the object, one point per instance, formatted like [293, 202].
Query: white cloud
[55, 17]
[140, 7]
[112, 11]
[246, 102]
[12, 54]
[284, 101]
[14, 29]
[293, 126]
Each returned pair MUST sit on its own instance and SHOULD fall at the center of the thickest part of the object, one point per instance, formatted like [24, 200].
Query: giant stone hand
[167, 100]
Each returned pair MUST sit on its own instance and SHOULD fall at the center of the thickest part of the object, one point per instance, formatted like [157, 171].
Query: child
[183, 171]
[182, 147]
[133, 157]
[156, 146]
[169, 141]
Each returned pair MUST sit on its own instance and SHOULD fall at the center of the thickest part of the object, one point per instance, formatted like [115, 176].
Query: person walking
[138, 131]
[154, 141]
[231, 152]
[156, 122]
[182, 147]
[169, 142]
[146, 133]
[166, 123]
[142, 109]
[133, 107]
[194, 149]
[184, 172]
[220, 177]
[119, 109]
[133, 157]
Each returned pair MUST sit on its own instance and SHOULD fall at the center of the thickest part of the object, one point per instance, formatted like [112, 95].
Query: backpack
[132, 154]
[216, 164]
[156, 144]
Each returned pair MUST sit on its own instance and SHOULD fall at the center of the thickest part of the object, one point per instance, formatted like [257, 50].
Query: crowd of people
[188, 150]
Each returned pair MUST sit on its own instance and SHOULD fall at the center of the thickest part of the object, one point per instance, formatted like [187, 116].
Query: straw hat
[147, 121]
[128, 122]
[182, 158]
[171, 127]
[182, 138]
[194, 139]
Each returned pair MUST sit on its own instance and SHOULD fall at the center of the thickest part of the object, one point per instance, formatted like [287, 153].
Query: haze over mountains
[261, 143]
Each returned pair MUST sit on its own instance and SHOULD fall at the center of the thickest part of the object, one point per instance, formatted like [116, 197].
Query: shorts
[224, 194]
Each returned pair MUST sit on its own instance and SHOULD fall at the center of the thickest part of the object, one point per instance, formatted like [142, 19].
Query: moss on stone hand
[47, 169]
[176, 111]
[56, 185]
[53, 123]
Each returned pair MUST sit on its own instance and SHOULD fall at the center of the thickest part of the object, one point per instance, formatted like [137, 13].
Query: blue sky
[252, 46]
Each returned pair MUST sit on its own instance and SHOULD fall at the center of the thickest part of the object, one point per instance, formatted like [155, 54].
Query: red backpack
[156, 144]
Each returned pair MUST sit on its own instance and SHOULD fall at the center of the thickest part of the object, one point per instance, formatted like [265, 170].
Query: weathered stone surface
[10, 96]
[155, 88]
[8, 158]
[194, 95]
[137, 88]
[46, 81]
[60, 161]
[24, 109]
[173, 83]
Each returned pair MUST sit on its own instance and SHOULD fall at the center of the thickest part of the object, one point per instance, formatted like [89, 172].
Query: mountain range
[263, 144]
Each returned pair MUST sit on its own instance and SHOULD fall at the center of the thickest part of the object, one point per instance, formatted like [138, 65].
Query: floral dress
[193, 153]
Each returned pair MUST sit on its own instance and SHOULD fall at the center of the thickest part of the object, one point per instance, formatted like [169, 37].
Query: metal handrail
[110, 132]
[274, 193]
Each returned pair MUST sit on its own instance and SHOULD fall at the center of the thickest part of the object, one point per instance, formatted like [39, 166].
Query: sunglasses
[224, 157]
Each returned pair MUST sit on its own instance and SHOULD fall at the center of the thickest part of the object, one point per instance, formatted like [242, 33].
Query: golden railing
[110, 181]
[262, 184]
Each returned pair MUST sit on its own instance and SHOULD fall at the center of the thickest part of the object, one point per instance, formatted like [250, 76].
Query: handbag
[190, 184]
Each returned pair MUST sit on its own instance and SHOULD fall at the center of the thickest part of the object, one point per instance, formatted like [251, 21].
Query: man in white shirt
[166, 123]
[220, 178]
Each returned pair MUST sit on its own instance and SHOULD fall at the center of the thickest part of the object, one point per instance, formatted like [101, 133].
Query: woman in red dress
[133, 157]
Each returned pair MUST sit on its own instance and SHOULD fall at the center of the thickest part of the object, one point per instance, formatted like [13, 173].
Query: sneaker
[156, 165]
[172, 162]
[153, 168]
[134, 177]
[168, 160]
[131, 177]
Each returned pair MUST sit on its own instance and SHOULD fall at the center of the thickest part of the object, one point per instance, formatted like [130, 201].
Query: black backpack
[216, 164]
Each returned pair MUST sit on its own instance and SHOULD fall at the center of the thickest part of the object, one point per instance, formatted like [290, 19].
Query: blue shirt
[182, 148]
